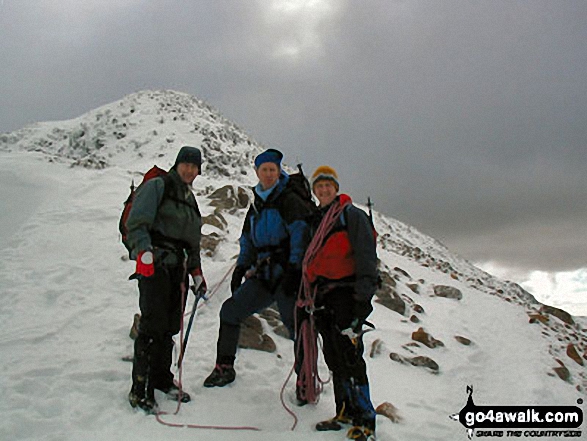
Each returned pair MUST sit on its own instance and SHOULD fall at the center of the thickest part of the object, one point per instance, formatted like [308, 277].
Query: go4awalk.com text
[520, 421]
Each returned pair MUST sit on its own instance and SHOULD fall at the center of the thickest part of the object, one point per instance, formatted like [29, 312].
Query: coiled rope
[309, 383]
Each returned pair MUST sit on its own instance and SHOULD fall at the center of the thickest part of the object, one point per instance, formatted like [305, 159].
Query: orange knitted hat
[325, 172]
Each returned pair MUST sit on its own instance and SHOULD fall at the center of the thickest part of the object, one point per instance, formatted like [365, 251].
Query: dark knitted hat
[188, 154]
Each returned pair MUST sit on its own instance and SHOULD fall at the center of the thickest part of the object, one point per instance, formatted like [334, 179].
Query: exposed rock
[463, 340]
[226, 198]
[563, 372]
[418, 361]
[274, 320]
[209, 243]
[414, 287]
[253, 337]
[418, 308]
[401, 271]
[426, 362]
[387, 279]
[558, 313]
[376, 348]
[448, 292]
[216, 220]
[538, 318]
[387, 296]
[414, 319]
[388, 410]
[574, 355]
[282, 331]
[423, 337]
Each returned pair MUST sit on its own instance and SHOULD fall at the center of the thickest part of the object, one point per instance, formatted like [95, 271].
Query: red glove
[199, 281]
[145, 264]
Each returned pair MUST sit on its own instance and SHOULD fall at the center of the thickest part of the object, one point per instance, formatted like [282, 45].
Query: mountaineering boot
[173, 393]
[222, 375]
[335, 423]
[360, 433]
[142, 396]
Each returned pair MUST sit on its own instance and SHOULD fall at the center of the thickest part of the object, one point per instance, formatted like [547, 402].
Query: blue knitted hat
[269, 155]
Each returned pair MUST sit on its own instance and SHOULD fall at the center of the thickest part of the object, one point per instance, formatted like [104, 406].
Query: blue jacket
[275, 226]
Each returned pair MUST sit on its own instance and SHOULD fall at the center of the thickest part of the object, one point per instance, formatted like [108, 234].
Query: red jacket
[334, 260]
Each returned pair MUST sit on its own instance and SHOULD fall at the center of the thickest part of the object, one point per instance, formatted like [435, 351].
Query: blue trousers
[252, 296]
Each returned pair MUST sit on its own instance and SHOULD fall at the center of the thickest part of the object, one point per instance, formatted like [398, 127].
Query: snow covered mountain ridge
[442, 323]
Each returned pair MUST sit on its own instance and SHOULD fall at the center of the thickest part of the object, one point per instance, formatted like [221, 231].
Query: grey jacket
[167, 221]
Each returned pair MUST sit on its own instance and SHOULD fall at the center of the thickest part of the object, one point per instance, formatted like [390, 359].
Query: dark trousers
[160, 303]
[252, 296]
[344, 357]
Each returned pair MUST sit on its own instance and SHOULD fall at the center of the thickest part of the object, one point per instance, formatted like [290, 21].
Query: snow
[67, 308]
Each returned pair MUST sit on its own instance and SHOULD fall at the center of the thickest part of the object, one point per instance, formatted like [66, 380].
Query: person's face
[325, 191]
[187, 172]
[268, 174]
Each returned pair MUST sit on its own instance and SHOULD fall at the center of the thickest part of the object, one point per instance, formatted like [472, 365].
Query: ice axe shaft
[199, 294]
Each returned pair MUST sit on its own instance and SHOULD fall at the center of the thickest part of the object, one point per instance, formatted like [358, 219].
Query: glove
[237, 277]
[145, 264]
[291, 281]
[199, 281]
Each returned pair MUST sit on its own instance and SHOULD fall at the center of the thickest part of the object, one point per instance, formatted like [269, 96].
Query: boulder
[227, 198]
[448, 292]
[558, 313]
[418, 361]
[253, 337]
[426, 339]
[388, 410]
[463, 340]
[574, 355]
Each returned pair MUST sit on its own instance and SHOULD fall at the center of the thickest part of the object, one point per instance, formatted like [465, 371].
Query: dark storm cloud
[465, 119]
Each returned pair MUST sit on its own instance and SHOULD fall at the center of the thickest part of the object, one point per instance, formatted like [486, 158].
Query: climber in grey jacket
[164, 231]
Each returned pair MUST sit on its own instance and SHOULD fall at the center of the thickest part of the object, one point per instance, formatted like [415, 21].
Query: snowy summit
[441, 323]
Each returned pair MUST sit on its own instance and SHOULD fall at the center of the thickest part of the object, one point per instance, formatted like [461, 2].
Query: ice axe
[200, 293]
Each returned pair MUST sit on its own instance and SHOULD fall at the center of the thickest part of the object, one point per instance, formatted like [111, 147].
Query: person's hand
[145, 264]
[199, 280]
[237, 278]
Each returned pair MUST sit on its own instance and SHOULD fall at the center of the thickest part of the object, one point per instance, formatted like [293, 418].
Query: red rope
[309, 380]
[159, 414]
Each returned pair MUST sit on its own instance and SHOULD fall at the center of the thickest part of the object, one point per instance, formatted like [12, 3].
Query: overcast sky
[464, 118]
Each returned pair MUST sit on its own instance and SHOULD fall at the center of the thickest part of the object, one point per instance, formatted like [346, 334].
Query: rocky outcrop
[574, 355]
[448, 292]
[426, 339]
[463, 340]
[563, 372]
[418, 361]
[387, 295]
[558, 313]
[252, 336]
[227, 198]
[209, 243]
[390, 411]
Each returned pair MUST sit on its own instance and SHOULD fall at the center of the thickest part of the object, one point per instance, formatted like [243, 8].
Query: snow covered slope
[67, 305]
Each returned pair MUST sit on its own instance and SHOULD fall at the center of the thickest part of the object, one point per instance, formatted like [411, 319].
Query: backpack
[299, 184]
[154, 172]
